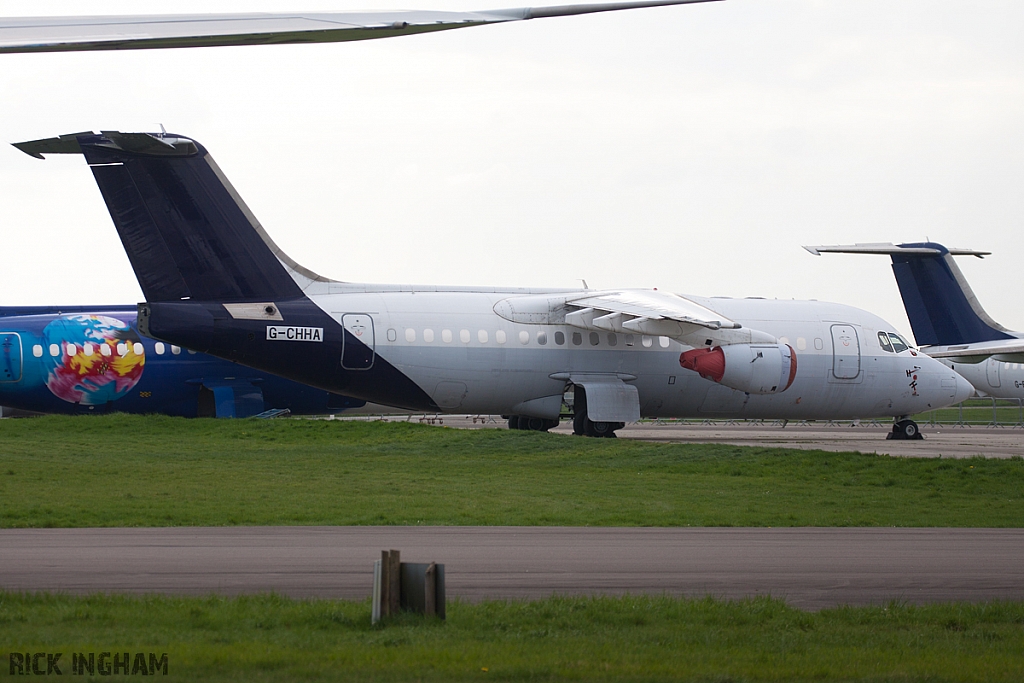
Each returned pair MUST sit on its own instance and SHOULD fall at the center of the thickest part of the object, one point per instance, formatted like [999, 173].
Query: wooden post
[394, 582]
[430, 591]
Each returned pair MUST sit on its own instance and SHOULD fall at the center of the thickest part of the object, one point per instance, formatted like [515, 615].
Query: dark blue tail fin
[940, 304]
[187, 233]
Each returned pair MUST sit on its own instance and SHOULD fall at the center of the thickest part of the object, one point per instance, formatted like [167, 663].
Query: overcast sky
[692, 148]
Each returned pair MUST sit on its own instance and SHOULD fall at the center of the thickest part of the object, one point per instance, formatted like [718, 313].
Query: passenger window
[446, 336]
[191, 352]
[392, 335]
[72, 349]
[646, 341]
[818, 344]
[139, 350]
[883, 341]
[897, 342]
[482, 336]
[629, 340]
[524, 337]
[612, 339]
[801, 344]
[410, 335]
[159, 348]
[559, 338]
[428, 335]
[54, 350]
[542, 338]
[37, 351]
[663, 342]
[464, 336]
[105, 350]
[577, 338]
[499, 336]
[122, 350]
[87, 348]
[595, 339]
[175, 349]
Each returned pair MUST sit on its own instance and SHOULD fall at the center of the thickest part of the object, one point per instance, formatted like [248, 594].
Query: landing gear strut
[584, 426]
[905, 430]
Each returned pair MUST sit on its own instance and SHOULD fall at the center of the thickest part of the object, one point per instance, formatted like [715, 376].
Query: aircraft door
[992, 368]
[845, 352]
[10, 357]
[357, 345]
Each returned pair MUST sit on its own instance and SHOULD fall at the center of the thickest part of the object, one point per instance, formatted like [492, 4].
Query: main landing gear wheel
[536, 424]
[905, 430]
[583, 426]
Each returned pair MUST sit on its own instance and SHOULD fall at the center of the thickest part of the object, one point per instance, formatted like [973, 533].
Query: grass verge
[118, 470]
[268, 637]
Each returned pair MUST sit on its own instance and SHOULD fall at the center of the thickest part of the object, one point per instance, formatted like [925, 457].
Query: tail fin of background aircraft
[940, 304]
[187, 233]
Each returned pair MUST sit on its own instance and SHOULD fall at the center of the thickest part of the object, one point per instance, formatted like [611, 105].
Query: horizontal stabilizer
[135, 32]
[887, 248]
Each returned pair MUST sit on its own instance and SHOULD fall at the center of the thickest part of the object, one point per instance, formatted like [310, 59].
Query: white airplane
[946, 317]
[215, 282]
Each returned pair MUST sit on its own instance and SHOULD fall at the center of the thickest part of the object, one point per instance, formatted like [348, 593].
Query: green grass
[612, 639]
[153, 471]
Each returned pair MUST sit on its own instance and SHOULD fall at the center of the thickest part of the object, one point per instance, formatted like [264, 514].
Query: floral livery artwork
[94, 359]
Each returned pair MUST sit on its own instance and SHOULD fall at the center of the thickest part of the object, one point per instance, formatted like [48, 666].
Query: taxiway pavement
[945, 441]
[811, 568]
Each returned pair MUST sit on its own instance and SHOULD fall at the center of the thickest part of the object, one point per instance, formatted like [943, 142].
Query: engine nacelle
[753, 368]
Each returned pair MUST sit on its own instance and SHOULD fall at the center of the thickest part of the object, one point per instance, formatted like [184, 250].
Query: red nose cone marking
[708, 363]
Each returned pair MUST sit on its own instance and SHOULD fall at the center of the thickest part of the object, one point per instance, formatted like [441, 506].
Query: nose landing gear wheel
[905, 430]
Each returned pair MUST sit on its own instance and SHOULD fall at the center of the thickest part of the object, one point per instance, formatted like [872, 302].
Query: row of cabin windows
[121, 349]
[542, 338]
[801, 343]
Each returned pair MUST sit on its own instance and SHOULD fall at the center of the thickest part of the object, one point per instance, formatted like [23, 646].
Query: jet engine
[753, 368]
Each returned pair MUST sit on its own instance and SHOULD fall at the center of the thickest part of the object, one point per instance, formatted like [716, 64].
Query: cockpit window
[883, 341]
[897, 342]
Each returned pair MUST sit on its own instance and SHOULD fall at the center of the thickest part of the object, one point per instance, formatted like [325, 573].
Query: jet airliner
[214, 281]
[946, 316]
[91, 359]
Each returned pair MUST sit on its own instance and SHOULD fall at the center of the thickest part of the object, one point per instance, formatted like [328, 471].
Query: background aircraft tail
[187, 233]
[940, 305]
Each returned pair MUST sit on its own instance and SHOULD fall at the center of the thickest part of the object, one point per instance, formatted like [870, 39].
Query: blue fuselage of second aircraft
[92, 360]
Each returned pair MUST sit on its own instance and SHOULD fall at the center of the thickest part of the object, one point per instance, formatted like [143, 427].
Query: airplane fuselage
[451, 351]
[991, 377]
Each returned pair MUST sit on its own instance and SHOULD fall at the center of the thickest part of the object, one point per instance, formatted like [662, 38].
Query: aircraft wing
[136, 32]
[655, 313]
